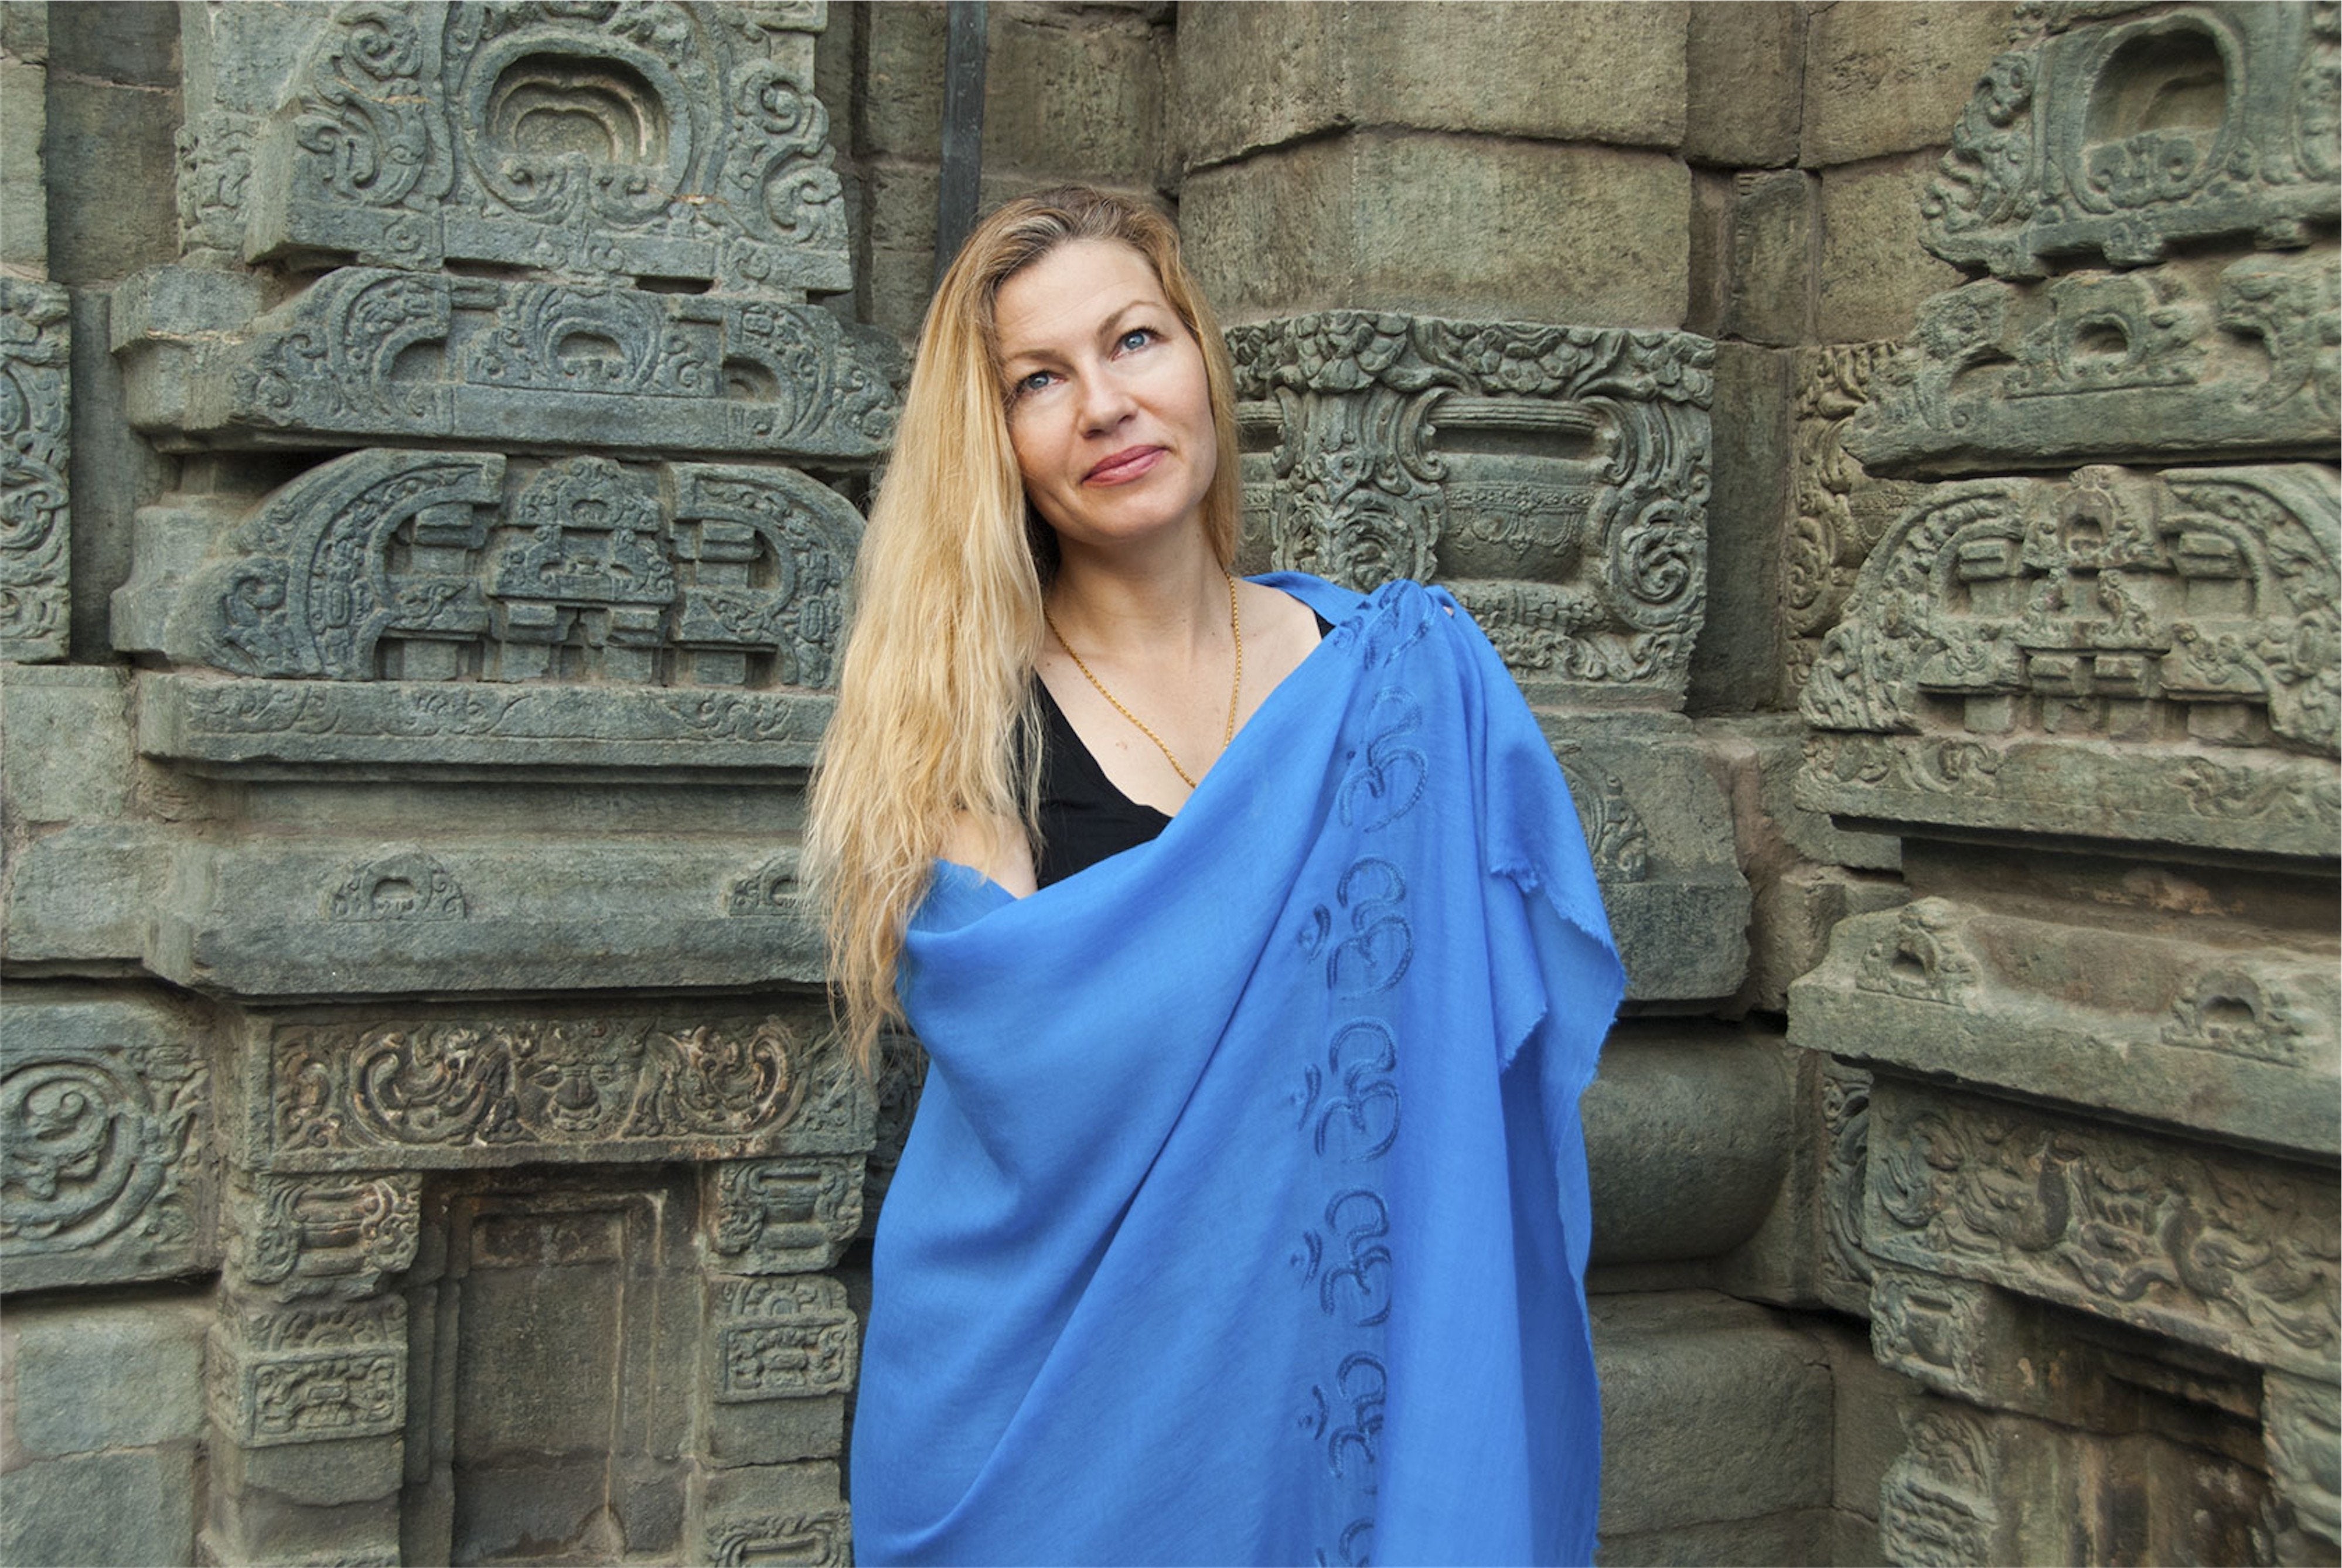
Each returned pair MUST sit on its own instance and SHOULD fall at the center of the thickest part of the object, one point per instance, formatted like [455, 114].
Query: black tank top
[1083, 817]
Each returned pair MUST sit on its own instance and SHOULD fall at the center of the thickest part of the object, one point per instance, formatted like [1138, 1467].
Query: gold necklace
[1235, 683]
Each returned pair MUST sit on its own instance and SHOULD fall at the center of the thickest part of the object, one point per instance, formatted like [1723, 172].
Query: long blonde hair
[933, 701]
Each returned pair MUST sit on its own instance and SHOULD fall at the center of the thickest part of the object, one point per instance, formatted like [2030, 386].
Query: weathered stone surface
[1887, 77]
[782, 1339]
[65, 744]
[1582, 556]
[2198, 358]
[1770, 299]
[446, 568]
[1737, 656]
[1796, 914]
[1745, 79]
[1260, 75]
[1687, 1138]
[1796, 1535]
[1534, 231]
[128, 45]
[371, 354]
[1872, 277]
[1070, 92]
[2216, 1247]
[774, 1513]
[2120, 655]
[2124, 134]
[2300, 1424]
[24, 115]
[784, 1217]
[36, 514]
[1696, 1392]
[111, 146]
[310, 1373]
[101, 1509]
[124, 1374]
[105, 1109]
[689, 149]
[1839, 512]
[83, 895]
[2236, 1042]
[1844, 1267]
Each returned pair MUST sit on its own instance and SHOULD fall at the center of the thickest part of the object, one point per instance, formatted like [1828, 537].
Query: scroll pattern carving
[1841, 512]
[1936, 1507]
[1585, 567]
[651, 138]
[2228, 1251]
[1845, 1266]
[406, 887]
[792, 1338]
[35, 522]
[786, 1216]
[100, 1163]
[816, 1539]
[328, 1236]
[391, 563]
[2126, 134]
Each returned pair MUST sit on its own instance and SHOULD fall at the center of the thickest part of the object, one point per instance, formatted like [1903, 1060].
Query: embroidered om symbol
[1362, 1380]
[1365, 1118]
[1376, 955]
[1386, 777]
[1359, 1219]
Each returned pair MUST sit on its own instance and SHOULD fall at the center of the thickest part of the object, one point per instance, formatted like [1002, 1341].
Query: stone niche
[1555, 479]
[2081, 1089]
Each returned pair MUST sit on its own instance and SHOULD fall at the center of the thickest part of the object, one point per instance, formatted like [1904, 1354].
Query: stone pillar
[2087, 673]
[36, 376]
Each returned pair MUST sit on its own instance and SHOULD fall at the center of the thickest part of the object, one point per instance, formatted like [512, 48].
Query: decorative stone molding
[1844, 1270]
[2301, 1422]
[437, 1092]
[35, 519]
[2205, 357]
[1935, 1504]
[1841, 512]
[2119, 655]
[334, 1236]
[454, 567]
[2220, 1248]
[789, 1338]
[407, 885]
[2125, 134]
[366, 353]
[311, 1374]
[822, 1539]
[1554, 478]
[670, 141]
[785, 1217]
[104, 1135]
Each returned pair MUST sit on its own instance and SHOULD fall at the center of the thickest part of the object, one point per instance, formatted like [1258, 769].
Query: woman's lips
[1123, 467]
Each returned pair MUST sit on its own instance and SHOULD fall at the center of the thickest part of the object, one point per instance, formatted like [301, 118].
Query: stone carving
[2220, 1249]
[36, 523]
[655, 140]
[1921, 957]
[215, 180]
[2195, 357]
[2254, 1008]
[2017, 627]
[769, 892]
[438, 566]
[2124, 136]
[314, 1374]
[1583, 561]
[333, 1237]
[1845, 1266]
[1936, 1507]
[1616, 835]
[411, 885]
[223, 723]
[790, 1338]
[786, 1216]
[1932, 1329]
[1841, 512]
[102, 1152]
[434, 1091]
[2301, 1420]
[375, 354]
[818, 1540]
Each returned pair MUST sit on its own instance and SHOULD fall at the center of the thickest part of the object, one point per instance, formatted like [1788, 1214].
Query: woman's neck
[1126, 605]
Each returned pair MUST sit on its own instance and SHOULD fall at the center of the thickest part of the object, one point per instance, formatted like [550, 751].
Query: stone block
[24, 30]
[2301, 1424]
[2202, 357]
[1736, 660]
[1256, 75]
[1532, 230]
[1074, 93]
[1867, 1402]
[1688, 1139]
[35, 490]
[1795, 915]
[65, 744]
[2103, 130]
[1770, 299]
[111, 146]
[1745, 69]
[23, 200]
[114, 472]
[1697, 1394]
[782, 1216]
[1884, 77]
[902, 99]
[106, 1104]
[101, 1509]
[1774, 752]
[334, 1472]
[1713, 198]
[85, 895]
[120, 1374]
[1796, 1535]
[127, 45]
[260, 1530]
[1874, 274]
[774, 1513]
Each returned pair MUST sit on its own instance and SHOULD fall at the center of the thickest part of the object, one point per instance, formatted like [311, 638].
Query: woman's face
[1109, 408]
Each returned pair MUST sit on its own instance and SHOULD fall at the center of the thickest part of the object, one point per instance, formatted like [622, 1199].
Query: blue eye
[1036, 382]
[1137, 337]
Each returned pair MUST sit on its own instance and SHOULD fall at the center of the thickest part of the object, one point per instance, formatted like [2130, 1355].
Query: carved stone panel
[432, 1090]
[818, 1539]
[1554, 478]
[330, 1236]
[659, 140]
[2123, 136]
[436, 566]
[786, 1338]
[310, 1373]
[105, 1164]
[784, 1217]
[1843, 1276]
[2301, 1422]
[35, 522]
[2205, 357]
[370, 354]
[2217, 1247]
[1839, 511]
[2121, 655]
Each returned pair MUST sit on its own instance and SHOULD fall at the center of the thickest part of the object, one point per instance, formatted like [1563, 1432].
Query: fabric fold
[1244, 1218]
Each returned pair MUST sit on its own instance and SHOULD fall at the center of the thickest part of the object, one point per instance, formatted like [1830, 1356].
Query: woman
[1253, 940]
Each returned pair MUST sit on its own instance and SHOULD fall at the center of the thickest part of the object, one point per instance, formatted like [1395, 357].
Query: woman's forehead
[1071, 291]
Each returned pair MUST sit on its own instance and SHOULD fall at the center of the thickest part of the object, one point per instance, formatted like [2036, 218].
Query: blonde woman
[1252, 942]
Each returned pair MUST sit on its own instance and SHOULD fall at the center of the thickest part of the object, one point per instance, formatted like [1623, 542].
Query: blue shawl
[1244, 1218]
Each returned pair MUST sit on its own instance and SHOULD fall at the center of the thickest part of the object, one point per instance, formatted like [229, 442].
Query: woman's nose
[1105, 402]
